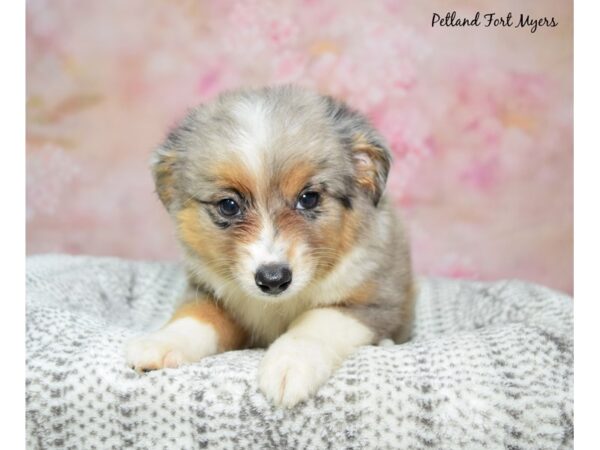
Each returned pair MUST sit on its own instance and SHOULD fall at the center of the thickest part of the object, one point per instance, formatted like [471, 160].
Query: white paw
[181, 342]
[153, 351]
[293, 369]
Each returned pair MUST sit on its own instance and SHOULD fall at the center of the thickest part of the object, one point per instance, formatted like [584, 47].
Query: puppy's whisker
[337, 254]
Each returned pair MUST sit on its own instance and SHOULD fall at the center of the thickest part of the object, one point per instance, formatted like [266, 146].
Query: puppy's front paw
[293, 369]
[153, 351]
[181, 342]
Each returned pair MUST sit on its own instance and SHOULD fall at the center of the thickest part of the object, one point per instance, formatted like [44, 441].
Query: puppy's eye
[228, 207]
[308, 200]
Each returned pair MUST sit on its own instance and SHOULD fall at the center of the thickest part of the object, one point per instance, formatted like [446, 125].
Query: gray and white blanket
[490, 366]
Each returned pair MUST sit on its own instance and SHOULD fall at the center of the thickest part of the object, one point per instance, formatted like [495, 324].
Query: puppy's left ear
[372, 161]
[370, 154]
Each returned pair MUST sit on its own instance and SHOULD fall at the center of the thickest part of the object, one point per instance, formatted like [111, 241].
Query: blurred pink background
[479, 119]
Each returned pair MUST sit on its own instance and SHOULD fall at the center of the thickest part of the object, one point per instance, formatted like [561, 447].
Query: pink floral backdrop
[479, 119]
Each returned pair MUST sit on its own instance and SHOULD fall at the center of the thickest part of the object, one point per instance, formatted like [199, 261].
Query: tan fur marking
[217, 247]
[349, 229]
[363, 294]
[201, 238]
[292, 181]
[289, 222]
[231, 335]
[235, 176]
[337, 239]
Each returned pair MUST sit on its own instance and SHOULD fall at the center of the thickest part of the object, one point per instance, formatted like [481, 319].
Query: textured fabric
[490, 366]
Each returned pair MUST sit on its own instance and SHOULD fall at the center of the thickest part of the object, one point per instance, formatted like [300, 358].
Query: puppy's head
[271, 188]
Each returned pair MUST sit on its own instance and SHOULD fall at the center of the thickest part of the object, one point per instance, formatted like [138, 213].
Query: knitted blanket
[490, 365]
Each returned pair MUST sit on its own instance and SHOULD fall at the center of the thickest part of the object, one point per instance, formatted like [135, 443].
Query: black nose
[273, 278]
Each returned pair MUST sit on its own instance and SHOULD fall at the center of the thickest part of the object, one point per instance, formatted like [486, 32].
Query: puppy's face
[271, 188]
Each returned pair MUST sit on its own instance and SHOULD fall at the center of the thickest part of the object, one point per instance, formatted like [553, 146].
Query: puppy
[289, 240]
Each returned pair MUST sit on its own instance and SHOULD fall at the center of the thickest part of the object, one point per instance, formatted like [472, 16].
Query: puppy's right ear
[163, 170]
[168, 160]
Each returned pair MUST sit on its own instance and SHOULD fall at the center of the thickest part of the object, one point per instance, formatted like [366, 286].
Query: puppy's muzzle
[273, 279]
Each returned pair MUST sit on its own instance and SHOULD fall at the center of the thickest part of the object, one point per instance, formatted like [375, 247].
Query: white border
[587, 223]
[12, 235]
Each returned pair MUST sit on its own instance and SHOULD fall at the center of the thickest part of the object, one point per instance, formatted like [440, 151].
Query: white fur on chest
[265, 321]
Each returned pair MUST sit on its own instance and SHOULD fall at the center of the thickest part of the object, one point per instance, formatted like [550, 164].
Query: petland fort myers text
[487, 20]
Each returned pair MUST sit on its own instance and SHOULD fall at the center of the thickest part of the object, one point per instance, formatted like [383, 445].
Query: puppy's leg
[197, 329]
[303, 358]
